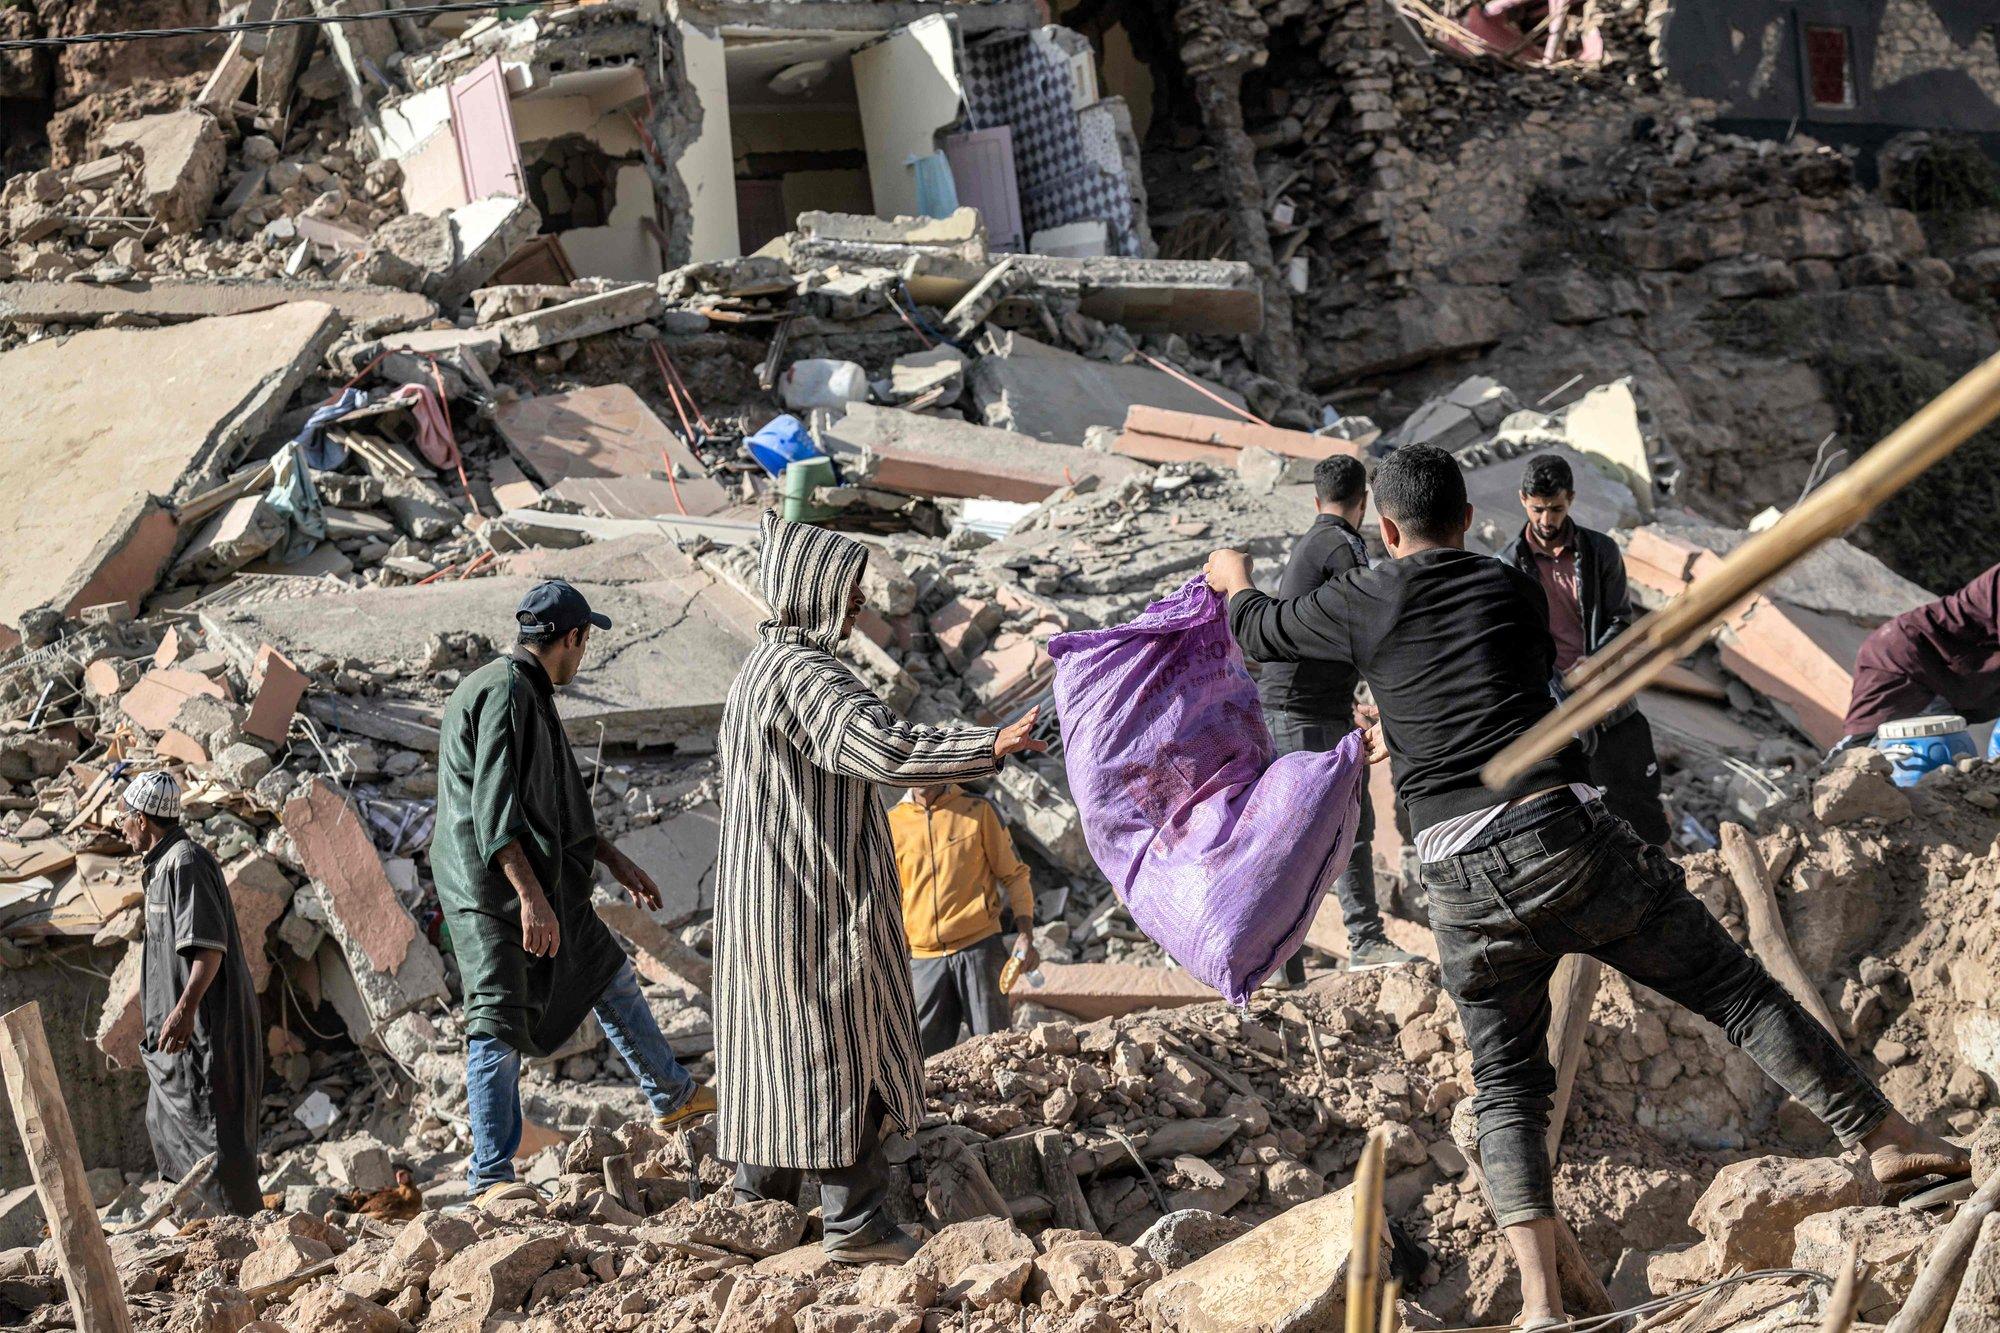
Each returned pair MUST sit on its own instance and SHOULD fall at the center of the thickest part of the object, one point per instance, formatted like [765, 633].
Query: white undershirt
[1449, 837]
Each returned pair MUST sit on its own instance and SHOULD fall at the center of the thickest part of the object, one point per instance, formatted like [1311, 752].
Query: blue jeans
[493, 1077]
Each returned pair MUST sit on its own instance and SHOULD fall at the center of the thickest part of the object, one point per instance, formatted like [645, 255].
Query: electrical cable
[266, 25]
[1592, 1323]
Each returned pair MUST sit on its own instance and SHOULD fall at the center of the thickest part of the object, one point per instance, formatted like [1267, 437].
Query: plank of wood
[96, 1296]
[1571, 992]
[1768, 939]
[1936, 1288]
[232, 75]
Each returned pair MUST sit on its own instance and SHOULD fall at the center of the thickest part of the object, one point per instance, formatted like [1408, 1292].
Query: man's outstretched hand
[636, 881]
[1015, 737]
[1228, 572]
[1369, 718]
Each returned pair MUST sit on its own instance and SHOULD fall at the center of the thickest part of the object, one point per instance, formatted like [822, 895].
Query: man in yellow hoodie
[955, 860]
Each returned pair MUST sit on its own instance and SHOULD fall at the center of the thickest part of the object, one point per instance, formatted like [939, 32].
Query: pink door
[483, 124]
[982, 167]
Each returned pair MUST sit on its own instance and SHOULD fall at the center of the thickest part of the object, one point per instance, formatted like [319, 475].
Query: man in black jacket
[1456, 650]
[1310, 705]
[1582, 573]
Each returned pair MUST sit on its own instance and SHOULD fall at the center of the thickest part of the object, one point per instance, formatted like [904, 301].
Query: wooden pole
[1936, 1287]
[1643, 653]
[1840, 1306]
[1364, 1255]
[1768, 939]
[96, 1297]
[1571, 992]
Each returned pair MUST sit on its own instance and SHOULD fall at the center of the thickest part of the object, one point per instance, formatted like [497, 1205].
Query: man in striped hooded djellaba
[815, 1024]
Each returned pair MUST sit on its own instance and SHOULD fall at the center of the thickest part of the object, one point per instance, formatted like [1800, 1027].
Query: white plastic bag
[817, 382]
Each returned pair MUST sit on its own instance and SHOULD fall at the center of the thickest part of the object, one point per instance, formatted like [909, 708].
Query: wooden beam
[232, 75]
[1571, 993]
[96, 1296]
[1768, 939]
[1642, 654]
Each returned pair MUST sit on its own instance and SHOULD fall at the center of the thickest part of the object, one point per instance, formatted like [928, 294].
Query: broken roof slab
[658, 676]
[370, 311]
[93, 425]
[1055, 395]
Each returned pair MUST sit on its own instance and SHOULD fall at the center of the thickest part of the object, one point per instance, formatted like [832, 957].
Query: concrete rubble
[290, 427]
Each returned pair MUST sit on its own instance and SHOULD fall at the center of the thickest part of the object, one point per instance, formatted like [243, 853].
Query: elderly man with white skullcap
[202, 1046]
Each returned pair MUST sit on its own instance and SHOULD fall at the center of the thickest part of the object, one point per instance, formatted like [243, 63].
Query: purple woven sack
[1220, 852]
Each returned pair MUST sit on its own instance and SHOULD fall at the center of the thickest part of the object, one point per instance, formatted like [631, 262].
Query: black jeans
[851, 1198]
[1356, 886]
[1625, 765]
[1554, 877]
[960, 986]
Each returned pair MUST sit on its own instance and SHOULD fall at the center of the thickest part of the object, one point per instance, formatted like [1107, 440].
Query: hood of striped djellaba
[805, 574]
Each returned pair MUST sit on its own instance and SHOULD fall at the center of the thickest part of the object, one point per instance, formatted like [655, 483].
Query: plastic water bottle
[1015, 967]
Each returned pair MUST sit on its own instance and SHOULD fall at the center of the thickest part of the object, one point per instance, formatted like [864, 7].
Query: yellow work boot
[695, 1107]
[501, 1191]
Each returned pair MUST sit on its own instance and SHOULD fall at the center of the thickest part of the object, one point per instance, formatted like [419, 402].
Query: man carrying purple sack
[1457, 652]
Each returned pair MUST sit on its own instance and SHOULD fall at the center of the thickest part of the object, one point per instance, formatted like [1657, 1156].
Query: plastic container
[1916, 745]
[784, 440]
[817, 382]
[798, 483]
[1993, 744]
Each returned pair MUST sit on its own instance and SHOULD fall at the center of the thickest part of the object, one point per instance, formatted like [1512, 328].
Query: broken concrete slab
[1290, 1273]
[261, 893]
[1154, 295]
[1603, 424]
[184, 154]
[1105, 990]
[1155, 435]
[533, 527]
[484, 234]
[605, 439]
[1802, 660]
[389, 965]
[679, 853]
[161, 693]
[1468, 414]
[658, 676]
[1055, 395]
[585, 317]
[1835, 578]
[276, 688]
[370, 311]
[404, 722]
[247, 527]
[93, 425]
[943, 456]
[333, 847]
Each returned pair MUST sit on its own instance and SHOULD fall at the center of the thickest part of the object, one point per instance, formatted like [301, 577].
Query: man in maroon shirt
[1582, 573]
[1942, 657]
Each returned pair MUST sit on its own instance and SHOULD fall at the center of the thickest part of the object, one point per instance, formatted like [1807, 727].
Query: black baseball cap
[556, 607]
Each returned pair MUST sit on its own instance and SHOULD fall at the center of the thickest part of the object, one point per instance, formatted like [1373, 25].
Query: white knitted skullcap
[153, 794]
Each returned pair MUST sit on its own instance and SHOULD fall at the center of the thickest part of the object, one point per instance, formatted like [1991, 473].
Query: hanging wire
[266, 25]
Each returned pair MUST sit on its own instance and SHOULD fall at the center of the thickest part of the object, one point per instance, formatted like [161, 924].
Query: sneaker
[895, 1248]
[1371, 954]
[501, 1191]
[695, 1107]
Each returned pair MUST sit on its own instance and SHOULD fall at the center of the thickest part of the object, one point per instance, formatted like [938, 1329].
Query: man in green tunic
[514, 857]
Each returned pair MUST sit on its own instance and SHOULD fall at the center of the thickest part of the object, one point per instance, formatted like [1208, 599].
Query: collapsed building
[320, 346]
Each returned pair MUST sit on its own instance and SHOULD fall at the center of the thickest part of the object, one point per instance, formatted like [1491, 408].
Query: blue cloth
[293, 495]
[937, 191]
[493, 1077]
[321, 453]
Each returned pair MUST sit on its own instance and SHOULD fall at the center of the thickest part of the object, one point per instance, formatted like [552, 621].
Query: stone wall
[108, 1108]
[1913, 41]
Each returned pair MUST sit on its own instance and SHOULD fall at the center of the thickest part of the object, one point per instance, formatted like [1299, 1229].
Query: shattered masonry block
[184, 154]
[121, 1023]
[334, 848]
[261, 892]
[1234, 1289]
[156, 700]
[1189, 436]
[932, 456]
[586, 317]
[276, 688]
